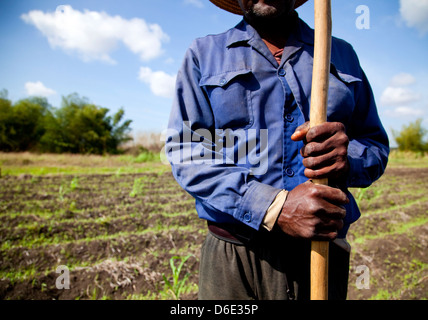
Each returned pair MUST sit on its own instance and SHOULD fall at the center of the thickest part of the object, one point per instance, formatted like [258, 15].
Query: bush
[411, 137]
[146, 156]
[23, 124]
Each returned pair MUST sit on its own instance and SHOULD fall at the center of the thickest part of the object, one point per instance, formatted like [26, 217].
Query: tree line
[78, 126]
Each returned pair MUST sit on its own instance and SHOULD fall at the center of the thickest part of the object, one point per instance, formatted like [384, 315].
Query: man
[240, 144]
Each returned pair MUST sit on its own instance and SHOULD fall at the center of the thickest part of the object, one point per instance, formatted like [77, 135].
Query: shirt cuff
[274, 210]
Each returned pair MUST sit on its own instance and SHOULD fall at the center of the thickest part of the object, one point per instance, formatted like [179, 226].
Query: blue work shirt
[235, 110]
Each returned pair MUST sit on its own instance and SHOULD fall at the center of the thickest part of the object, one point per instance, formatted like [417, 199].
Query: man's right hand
[313, 212]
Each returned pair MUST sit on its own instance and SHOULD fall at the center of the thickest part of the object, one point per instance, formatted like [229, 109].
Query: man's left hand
[325, 151]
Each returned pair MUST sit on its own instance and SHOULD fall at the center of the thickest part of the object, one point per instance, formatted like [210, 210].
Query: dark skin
[313, 212]
[269, 18]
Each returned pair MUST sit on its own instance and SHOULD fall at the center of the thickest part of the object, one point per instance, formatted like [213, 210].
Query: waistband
[239, 234]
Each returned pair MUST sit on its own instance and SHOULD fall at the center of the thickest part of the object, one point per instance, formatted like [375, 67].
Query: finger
[332, 221]
[325, 236]
[319, 173]
[329, 226]
[335, 160]
[327, 129]
[317, 162]
[338, 142]
[329, 229]
[331, 213]
[330, 195]
[338, 169]
[301, 132]
[314, 149]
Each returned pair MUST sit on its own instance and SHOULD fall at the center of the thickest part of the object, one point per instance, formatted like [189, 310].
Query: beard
[270, 8]
[262, 11]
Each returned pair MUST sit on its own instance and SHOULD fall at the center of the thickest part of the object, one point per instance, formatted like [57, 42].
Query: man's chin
[265, 11]
[272, 10]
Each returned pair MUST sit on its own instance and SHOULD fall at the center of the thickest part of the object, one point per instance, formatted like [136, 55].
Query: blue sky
[126, 53]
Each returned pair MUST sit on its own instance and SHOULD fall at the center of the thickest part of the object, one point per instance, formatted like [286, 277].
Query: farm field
[117, 225]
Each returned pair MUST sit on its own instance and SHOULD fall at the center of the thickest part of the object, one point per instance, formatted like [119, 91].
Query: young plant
[61, 193]
[74, 184]
[137, 188]
[360, 194]
[176, 287]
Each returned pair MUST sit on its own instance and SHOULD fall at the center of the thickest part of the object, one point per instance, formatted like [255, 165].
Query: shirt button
[289, 172]
[289, 118]
[223, 82]
[281, 72]
[247, 217]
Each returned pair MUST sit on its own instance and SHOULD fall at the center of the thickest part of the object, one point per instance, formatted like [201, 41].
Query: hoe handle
[318, 115]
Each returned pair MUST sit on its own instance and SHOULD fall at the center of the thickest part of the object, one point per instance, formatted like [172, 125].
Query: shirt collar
[241, 33]
[304, 33]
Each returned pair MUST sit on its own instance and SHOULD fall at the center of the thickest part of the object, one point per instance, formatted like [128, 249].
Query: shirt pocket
[341, 96]
[229, 94]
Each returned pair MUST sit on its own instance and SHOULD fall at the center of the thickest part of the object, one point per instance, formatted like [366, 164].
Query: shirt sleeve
[219, 186]
[369, 146]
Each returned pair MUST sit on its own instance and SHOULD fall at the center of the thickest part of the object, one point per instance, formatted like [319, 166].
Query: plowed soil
[116, 233]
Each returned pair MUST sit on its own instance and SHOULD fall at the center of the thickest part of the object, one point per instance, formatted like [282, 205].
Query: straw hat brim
[233, 5]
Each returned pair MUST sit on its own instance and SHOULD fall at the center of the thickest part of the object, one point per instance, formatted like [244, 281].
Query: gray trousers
[271, 266]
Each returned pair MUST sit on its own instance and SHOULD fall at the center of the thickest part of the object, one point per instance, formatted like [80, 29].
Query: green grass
[384, 294]
[408, 159]
[409, 279]
[90, 228]
[395, 230]
[72, 164]
[77, 170]
[62, 239]
[66, 164]
[394, 207]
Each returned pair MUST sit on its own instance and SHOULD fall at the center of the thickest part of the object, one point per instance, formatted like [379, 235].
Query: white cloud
[400, 112]
[415, 14]
[94, 35]
[38, 89]
[402, 79]
[169, 60]
[196, 3]
[398, 96]
[161, 84]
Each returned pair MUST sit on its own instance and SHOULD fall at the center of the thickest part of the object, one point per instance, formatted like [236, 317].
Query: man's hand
[313, 212]
[326, 150]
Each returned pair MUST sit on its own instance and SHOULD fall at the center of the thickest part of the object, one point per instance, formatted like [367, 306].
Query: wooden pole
[318, 115]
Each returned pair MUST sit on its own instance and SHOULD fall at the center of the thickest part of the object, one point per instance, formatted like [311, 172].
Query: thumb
[301, 132]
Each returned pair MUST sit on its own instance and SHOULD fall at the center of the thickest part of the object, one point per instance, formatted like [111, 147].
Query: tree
[21, 124]
[29, 117]
[81, 127]
[6, 117]
[119, 131]
[411, 137]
